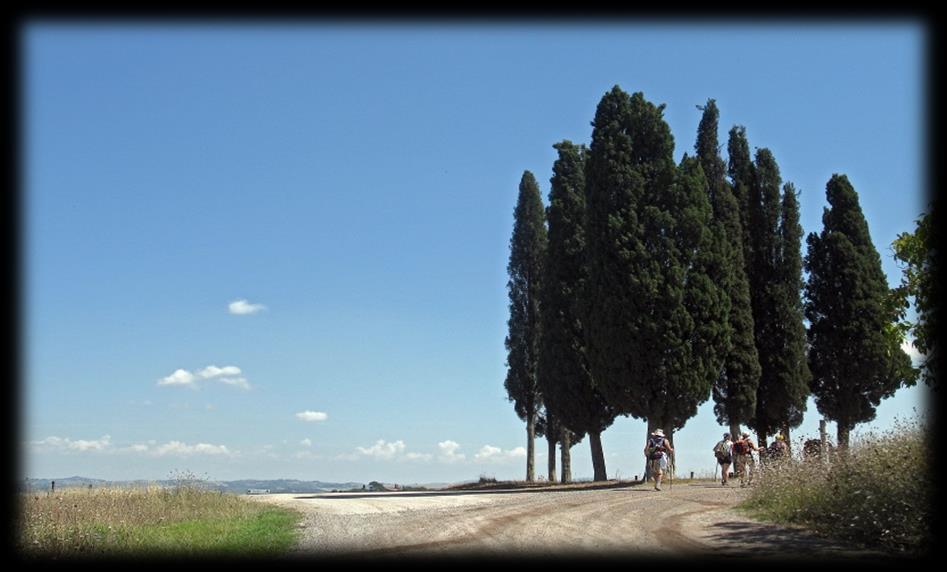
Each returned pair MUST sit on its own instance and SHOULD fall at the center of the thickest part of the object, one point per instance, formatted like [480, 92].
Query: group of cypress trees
[658, 285]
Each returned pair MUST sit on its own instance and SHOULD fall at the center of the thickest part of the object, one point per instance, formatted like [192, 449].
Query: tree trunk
[761, 438]
[530, 447]
[565, 446]
[786, 438]
[551, 463]
[669, 434]
[598, 456]
[734, 431]
[843, 431]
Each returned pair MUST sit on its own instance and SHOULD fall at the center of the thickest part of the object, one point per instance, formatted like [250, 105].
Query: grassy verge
[879, 494]
[146, 522]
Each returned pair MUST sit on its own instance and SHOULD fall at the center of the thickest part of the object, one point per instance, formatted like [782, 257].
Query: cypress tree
[657, 322]
[780, 397]
[525, 269]
[742, 175]
[854, 364]
[734, 390]
[793, 369]
[565, 381]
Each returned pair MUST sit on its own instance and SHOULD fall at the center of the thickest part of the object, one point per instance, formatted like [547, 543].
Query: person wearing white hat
[656, 450]
[745, 465]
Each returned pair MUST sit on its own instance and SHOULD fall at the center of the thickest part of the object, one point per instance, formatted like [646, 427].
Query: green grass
[268, 532]
[879, 494]
[186, 520]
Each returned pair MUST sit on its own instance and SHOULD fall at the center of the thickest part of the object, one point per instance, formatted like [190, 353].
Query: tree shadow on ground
[763, 540]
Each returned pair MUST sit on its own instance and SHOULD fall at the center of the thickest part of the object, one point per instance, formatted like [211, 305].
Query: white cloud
[306, 442]
[449, 452]
[382, 450]
[179, 377]
[418, 456]
[214, 371]
[190, 379]
[65, 444]
[240, 382]
[54, 443]
[94, 445]
[241, 307]
[490, 453]
[312, 416]
[177, 448]
[917, 358]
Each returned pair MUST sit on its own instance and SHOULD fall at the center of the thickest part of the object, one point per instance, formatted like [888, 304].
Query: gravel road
[618, 520]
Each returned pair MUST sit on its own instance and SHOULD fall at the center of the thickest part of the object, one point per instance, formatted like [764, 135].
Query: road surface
[616, 520]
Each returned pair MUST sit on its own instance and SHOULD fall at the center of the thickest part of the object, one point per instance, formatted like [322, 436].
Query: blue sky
[350, 189]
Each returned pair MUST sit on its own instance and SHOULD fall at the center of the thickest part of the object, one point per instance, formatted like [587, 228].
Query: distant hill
[239, 486]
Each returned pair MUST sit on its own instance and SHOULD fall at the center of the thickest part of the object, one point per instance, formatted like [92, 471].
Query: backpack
[721, 452]
[740, 447]
[655, 447]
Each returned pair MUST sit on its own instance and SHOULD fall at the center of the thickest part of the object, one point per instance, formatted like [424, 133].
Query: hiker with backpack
[723, 451]
[745, 464]
[778, 449]
[656, 450]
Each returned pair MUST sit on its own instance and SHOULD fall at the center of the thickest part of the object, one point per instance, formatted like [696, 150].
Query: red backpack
[740, 447]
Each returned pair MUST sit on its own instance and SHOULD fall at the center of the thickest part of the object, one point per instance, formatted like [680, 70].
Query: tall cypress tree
[734, 390]
[780, 397]
[525, 269]
[793, 369]
[854, 363]
[657, 321]
[565, 381]
[742, 176]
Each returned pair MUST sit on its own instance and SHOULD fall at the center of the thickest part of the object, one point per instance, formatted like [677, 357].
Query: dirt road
[687, 520]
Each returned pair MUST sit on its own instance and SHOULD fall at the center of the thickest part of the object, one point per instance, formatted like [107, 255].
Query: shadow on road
[761, 539]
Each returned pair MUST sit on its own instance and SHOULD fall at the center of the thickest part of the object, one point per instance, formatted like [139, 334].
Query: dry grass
[80, 521]
[879, 493]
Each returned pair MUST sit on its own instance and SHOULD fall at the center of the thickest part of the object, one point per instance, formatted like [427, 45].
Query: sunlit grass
[184, 519]
[879, 493]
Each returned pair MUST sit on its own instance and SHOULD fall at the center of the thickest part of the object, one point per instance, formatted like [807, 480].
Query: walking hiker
[778, 449]
[656, 450]
[723, 451]
[743, 449]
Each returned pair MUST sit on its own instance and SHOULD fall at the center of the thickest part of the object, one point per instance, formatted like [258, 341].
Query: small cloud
[240, 382]
[917, 358]
[418, 456]
[214, 371]
[312, 416]
[211, 407]
[449, 452]
[225, 374]
[306, 442]
[490, 453]
[241, 307]
[179, 377]
[382, 449]
[65, 444]
[179, 449]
